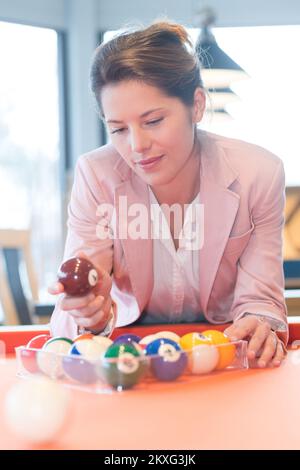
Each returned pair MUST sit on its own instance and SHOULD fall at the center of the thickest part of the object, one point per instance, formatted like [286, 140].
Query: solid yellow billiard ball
[226, 352]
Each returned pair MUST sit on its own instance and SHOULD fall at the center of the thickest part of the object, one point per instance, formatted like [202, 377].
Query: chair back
[14, 247]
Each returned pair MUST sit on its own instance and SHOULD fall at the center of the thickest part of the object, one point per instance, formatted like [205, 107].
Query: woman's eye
[117, 131]
[155, 121]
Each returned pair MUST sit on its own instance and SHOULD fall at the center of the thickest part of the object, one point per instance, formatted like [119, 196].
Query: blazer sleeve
[84, 222]
[260, 280]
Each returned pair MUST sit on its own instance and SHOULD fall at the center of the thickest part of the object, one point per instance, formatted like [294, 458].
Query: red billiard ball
[78, 276]
[28, 354]
[38, 341]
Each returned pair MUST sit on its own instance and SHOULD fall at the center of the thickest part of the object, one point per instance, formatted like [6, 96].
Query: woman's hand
[264, 346]
[91, 311]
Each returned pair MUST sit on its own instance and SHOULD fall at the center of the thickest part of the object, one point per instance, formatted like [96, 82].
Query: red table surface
[246, 409]
[20, 335]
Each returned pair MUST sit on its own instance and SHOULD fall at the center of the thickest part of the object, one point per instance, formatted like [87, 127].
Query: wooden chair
[18, 309]
[292, 250]
[291, 231]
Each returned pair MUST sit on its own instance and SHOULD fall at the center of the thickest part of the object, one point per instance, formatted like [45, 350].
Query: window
[29, 142]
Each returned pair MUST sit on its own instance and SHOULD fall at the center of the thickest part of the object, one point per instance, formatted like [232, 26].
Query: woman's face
[153, 132]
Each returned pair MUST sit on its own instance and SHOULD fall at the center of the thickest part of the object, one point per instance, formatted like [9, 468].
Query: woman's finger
[107, 305]
[279, 355]
[99, 320]
[81, 254]
[56, 288]
[90, 310]
[258, 339]
[104, 284]
[242, 328]
[268, 350]
[76, 303]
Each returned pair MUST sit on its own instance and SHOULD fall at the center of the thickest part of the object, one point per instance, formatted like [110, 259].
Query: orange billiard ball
[226, 352]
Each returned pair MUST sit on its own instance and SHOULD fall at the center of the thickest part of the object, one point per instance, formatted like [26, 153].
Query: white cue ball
[147, 339]
[168, 335]
[103, 341]
[203, 359]
[36, 409]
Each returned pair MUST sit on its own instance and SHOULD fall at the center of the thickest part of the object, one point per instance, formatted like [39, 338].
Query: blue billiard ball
[168, 360]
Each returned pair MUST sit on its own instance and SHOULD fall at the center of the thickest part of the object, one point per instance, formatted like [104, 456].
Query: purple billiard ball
[78, 276]
[127, 338]
[168, 360]
[80, 369]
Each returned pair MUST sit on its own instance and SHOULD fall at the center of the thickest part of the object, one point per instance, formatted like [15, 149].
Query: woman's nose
[139, 141]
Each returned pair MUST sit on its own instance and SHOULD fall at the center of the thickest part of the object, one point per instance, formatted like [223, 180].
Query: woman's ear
[199, 104]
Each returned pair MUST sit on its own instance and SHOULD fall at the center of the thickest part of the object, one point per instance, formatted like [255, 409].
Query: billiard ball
[102, 340]
[28, 354]
[168, 361]
[50, 357]
[122, 366]
[147, 339]
[203, 356]
[90, 347]
[38, 341]
[78, 276]
[169, 335]
[80, 363]
[36, 409]
[127, 338]
[79, 369]
[226, 350]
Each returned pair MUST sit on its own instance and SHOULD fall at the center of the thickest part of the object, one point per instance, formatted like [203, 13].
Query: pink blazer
[242, 190]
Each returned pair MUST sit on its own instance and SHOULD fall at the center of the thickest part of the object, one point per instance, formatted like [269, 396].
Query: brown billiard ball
[78, 276]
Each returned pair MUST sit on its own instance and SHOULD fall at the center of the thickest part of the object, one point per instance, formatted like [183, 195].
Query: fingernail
[261, 363]
[234, 338]
[276, 363]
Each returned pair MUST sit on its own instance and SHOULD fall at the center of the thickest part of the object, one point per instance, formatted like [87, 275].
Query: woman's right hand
[91, 311]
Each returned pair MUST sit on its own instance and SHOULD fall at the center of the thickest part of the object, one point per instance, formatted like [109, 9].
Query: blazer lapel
[133, 213]
[220, 208]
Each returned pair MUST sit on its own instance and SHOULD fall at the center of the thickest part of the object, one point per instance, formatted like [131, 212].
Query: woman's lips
[149, 162]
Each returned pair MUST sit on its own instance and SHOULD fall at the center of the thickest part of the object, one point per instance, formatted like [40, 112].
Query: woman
[217, 256]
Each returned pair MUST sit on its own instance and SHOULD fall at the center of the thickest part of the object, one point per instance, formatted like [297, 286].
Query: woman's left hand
[264, 346]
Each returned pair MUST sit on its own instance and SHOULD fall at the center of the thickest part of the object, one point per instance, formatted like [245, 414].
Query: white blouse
[175, 296]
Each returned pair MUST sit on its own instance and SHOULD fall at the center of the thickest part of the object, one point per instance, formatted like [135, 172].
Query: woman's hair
[158, 55]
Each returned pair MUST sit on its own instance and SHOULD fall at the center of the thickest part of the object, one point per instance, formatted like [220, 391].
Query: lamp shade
[216, 118]
[218, 69]
[219, 98]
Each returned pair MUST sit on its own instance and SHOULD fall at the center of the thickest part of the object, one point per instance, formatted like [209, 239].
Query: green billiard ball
[122, 366]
